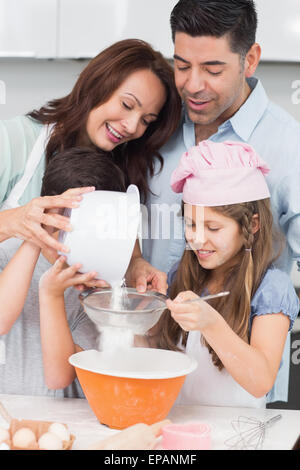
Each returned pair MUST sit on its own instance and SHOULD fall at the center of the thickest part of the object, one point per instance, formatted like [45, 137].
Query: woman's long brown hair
[95, 85]
[242, 280]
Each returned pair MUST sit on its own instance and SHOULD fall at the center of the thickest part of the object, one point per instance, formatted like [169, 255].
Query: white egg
[60, 430]
[4, 435]
[50, 441]
[23, 438]
[4, 446]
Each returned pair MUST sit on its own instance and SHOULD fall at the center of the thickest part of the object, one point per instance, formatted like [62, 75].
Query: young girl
[238, 340]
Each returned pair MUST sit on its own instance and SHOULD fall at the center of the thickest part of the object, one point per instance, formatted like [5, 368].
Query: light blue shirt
[275, 135]
[17, 139]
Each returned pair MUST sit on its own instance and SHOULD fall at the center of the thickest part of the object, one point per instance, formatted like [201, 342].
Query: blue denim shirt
[275, 135]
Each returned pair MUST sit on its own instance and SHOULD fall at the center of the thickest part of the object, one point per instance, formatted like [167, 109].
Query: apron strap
[34, 158]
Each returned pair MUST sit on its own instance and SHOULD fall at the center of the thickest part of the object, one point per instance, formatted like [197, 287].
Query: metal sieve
[138, 311]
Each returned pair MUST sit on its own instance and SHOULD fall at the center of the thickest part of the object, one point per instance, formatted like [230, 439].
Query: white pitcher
[105, 228]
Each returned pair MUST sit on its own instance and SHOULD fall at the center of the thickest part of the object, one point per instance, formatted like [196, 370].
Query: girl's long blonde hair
[242, 279]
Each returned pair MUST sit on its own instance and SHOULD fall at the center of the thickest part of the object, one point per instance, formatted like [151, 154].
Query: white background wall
[31, 82]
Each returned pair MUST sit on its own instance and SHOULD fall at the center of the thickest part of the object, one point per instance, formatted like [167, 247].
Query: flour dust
[118, 336]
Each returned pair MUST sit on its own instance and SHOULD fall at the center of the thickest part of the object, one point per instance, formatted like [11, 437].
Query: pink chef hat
[217, 174]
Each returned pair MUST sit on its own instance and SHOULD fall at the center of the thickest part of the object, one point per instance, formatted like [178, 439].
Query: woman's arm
[28, 222]
[25, 222]
[56, 337]
[254, 366]
[15, 281]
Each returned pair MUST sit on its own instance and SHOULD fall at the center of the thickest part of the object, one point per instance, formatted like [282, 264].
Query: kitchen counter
[81, 421]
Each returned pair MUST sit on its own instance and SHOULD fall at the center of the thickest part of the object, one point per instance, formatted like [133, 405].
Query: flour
[119, 298]
[113, 338]
[118, 336]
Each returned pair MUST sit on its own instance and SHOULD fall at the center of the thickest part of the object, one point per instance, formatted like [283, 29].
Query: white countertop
[82, 422]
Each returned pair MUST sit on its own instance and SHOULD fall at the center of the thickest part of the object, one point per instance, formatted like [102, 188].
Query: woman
[125, 102]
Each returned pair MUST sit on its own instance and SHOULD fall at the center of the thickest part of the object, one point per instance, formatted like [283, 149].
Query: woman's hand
[29, 222]
[192, 316]
[143, 276]
[60, 276]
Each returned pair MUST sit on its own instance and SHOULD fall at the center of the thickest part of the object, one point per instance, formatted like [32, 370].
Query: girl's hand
[61, 276]
[192, 316]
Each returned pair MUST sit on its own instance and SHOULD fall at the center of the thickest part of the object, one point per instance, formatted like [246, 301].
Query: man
[215, 58]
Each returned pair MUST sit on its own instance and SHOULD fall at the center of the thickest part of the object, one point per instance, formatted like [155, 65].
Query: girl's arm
[254, 366]
[15, 281]
[56, 338]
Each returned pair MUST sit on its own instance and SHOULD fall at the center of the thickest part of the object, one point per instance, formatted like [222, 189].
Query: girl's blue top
[275, 294]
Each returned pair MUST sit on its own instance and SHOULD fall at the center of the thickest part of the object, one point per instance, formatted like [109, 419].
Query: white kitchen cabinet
[28, 28]
[86, 27]
[82, 28]
[279, 29]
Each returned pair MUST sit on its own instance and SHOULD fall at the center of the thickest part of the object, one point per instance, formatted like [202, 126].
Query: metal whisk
[250, 433]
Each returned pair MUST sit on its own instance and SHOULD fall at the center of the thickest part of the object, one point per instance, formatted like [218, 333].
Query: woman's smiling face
[215, 238]
[128, 112]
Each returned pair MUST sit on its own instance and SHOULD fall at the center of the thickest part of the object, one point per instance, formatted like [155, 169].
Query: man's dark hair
[235, 18]
[79, 167]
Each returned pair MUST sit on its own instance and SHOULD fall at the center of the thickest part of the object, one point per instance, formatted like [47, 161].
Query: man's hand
[143, 276]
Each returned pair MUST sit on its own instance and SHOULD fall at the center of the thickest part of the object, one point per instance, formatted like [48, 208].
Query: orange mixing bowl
[134, 385]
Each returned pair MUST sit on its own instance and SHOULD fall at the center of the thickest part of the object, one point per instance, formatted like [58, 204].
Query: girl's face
[128, 112]
[214, 238]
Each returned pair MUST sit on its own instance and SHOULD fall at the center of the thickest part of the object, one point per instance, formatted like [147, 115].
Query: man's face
[209, 77]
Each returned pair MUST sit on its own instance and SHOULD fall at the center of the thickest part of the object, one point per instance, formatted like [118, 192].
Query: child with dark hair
[79, 167]
[22, 266]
